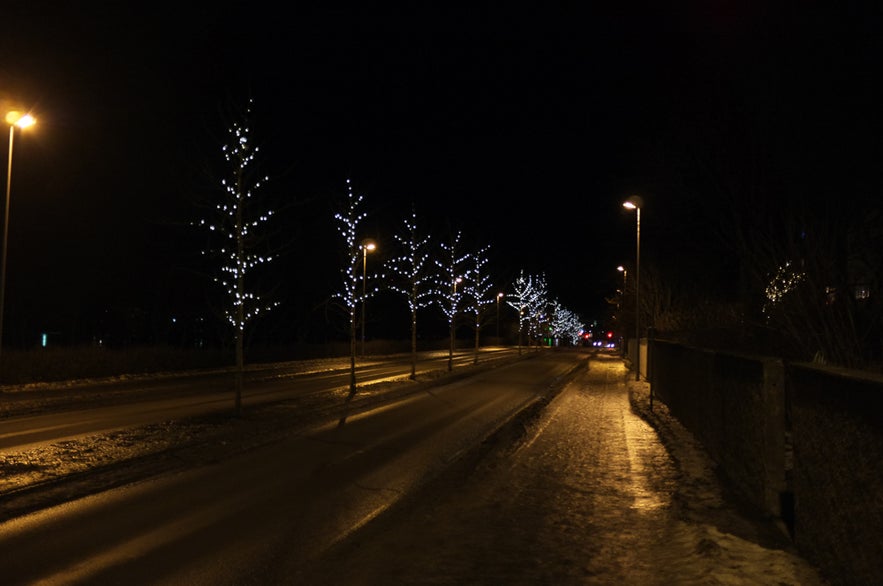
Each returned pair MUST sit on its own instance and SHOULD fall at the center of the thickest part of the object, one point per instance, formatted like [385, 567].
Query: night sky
[525, 128]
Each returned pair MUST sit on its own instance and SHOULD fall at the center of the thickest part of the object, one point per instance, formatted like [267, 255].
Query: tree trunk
[477, 334]
[352, 352]
[451, 350]
[413, 344]
[240, 367]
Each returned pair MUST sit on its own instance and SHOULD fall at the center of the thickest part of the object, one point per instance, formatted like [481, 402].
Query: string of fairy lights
[416, 280]
[238, 226]
[783, 282]
[452, 270]
[478, 286]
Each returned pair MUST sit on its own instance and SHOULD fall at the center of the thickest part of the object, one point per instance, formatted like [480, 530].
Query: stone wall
[837, 426]
[734, 405]
[801, 443]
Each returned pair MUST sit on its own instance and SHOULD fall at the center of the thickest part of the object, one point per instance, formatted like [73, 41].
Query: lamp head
[20, 119]
[633, 203]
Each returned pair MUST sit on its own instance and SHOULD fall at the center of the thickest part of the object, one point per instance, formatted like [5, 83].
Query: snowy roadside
[703, 495]
[42, 475]
[45, 474]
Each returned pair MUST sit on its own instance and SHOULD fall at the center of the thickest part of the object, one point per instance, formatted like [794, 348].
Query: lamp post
[367, 246]
[499, 296]
[13, 118]
[625, 273]
[635, 203]
[454, 305]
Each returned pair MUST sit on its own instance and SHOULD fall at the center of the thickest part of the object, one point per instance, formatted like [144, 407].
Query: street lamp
[367, 246]
[454, 305]
[499, 296]
[636, 203]
[13, 118]
[625, 273]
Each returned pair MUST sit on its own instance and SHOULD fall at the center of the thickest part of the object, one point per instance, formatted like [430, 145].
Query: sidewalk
[589, 496]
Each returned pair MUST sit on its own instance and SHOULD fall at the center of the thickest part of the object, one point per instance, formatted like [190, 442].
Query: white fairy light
[529, 299]
[348, 223]
[235, 221]
[452, 268]
[413, 275]
[478, 291]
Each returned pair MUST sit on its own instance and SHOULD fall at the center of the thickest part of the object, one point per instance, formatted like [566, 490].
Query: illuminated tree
[415, 275]
[350, 295]
[452, 271]
[519, 300]
[529, 300]
[236, 238]
[538, 310]
[565, 324]
[478, 291]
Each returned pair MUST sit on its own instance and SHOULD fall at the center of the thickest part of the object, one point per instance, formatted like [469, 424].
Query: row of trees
[443, 274]
[448, 275]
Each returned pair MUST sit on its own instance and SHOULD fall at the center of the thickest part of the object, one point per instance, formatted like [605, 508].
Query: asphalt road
[266, 512]
[36, 417]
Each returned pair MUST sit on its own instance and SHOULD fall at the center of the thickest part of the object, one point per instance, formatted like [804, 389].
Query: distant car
[606, 339]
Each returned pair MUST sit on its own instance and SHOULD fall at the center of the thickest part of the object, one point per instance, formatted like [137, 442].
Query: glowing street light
[367, 246]
[21, 120]
[636, 203]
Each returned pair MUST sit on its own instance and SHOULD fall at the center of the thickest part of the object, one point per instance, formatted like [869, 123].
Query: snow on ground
[743, 548]
[201, 438]
[39, 465]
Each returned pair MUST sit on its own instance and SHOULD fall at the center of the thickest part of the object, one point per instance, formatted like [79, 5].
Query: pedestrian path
[590, 496]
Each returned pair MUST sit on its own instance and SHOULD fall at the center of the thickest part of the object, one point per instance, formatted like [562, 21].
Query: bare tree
[537, 309]
[817, 293]
[528, 293]
[478, 290]
[452, 271]
[348, 225]
[564, 323]
[416, 277]
[811, 270]
[236, 238]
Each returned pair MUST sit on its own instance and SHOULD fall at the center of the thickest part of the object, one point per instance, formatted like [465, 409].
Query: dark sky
[524, 127]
